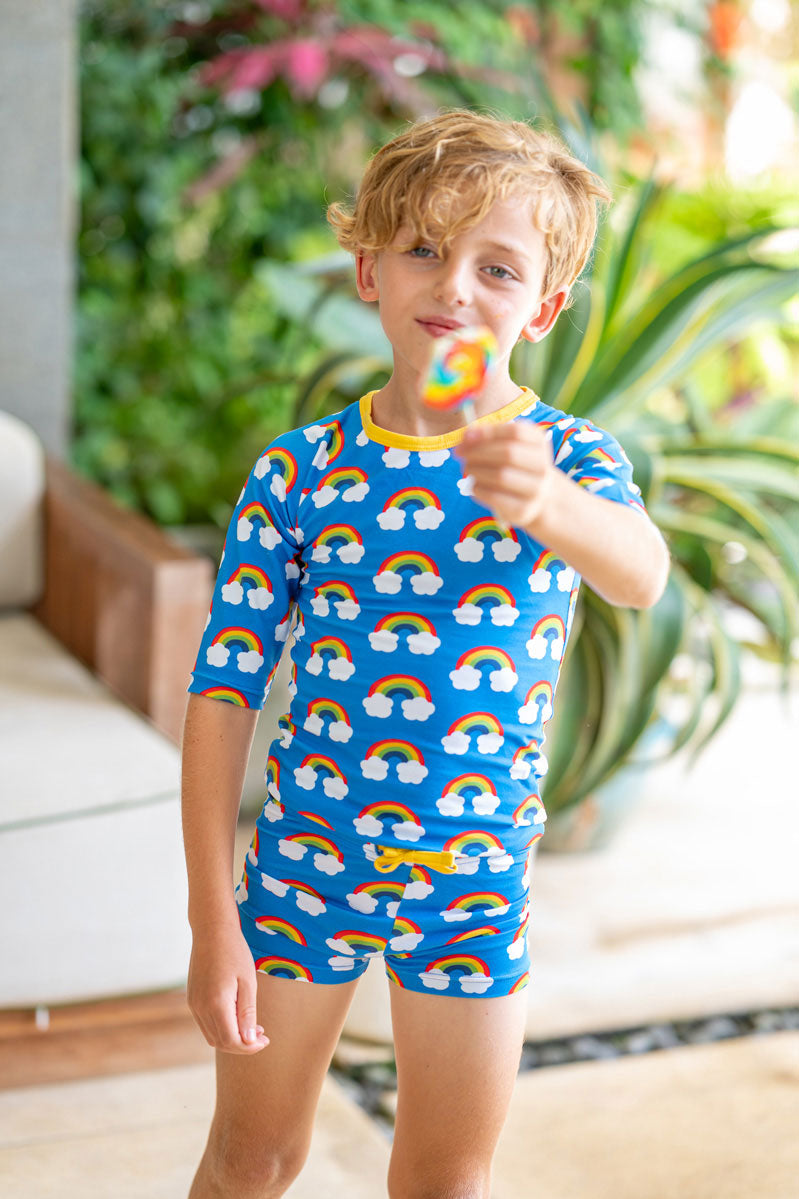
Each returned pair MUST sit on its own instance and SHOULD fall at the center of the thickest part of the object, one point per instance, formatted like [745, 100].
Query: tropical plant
[727, 502]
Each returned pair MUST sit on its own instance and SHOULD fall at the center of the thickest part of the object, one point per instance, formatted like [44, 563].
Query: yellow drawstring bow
[442, 860]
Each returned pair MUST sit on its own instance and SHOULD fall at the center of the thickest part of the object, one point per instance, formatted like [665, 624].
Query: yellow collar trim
[406, 441]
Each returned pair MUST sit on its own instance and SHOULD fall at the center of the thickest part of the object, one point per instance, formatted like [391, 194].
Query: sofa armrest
[121, 595]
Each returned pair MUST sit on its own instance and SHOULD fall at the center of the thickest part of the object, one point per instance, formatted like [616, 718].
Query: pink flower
[306, 65]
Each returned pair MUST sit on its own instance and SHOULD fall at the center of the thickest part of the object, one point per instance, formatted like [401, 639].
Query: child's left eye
[504, 274]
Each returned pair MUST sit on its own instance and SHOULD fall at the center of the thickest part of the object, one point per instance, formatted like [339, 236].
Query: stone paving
[684, 930]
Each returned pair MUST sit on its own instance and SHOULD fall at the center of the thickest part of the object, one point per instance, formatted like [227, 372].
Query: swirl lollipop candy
[460, 362]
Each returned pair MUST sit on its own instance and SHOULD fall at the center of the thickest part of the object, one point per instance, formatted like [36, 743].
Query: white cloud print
[363, 902]
[327, 863]
[435, 979]
[503, 679]
[456, 743]
[426, 583]
[334, 787]
[540, 581]
[505, 549]
[292, 849]
[469, 550]
[433, 457]
[429, 517]
[260, 598]
[405, 942]
[324, 496]
[277, 486]
[339, 730]
[217, 654]
[465, 678]
[374, 768]
[383, 641]
[450, 804]
[537, 647]
[351, 551]
[411, 772]
[408, 830]
[305, 777]
[387, 582]
[391, 519]
[310, 903]
[250, 661]
[396, 458]
[417, 708]
[378, 705]
[504, 614]
[468, 614]
[232, 593]
[489, 743]
[355, 493]
[368, 826]
[423, 643]
[475, 984]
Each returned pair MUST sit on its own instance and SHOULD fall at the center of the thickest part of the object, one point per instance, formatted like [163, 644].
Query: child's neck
[408, 415]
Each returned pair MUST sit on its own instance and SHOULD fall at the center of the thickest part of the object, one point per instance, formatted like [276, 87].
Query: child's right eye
[422, 251]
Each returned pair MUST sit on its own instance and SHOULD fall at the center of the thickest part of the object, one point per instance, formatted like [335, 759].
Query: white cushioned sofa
[100, 616]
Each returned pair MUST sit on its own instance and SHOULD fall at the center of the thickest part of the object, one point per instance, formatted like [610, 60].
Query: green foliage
[185, 359]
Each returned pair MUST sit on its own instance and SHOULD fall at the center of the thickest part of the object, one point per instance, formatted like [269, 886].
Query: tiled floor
[140, 1136]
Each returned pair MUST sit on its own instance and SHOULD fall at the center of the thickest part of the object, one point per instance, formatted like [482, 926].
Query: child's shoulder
[305, 439]
[572, 435]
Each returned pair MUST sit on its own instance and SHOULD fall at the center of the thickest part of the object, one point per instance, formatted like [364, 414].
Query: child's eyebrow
[503, 248]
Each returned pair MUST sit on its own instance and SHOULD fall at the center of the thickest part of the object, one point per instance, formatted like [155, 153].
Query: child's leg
[265, 1103]
[457, 1062]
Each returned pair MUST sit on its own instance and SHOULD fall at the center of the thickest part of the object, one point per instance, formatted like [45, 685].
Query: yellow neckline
[406, 441]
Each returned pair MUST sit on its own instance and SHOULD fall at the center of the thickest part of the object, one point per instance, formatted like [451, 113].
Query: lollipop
[461, 359]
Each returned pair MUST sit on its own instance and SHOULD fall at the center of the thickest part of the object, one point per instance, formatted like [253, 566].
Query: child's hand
[512, 467]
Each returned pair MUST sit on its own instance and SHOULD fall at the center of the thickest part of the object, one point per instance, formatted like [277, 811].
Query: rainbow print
[417, 704]
[276, 924]
[345, 539]
[333, 652]
[483, 901]
[499, 602]
[355, 941]
[484, 531]
[284, 968]
[483, 930]
[338, 728]
[229, 694]
[315, 815]
[458, 736]
[549, 629]
[537, 704]
[520, 983]
[530, 811]
[474, 838]
[285, 462]
[421, 569]
[423, 502]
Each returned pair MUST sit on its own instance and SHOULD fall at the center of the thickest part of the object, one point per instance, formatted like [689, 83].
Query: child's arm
[222, 984]
[617, 550]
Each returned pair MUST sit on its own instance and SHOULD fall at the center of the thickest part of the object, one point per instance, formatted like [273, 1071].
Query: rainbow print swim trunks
[315, 909]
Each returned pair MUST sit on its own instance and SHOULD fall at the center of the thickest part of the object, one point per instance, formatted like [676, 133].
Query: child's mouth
[436, 330]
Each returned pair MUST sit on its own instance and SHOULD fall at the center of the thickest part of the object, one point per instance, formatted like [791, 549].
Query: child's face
[490, 275]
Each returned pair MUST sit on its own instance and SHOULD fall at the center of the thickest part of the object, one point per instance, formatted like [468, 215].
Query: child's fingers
[250, 1031]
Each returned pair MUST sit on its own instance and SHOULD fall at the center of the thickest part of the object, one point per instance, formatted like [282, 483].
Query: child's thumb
[246, 1010]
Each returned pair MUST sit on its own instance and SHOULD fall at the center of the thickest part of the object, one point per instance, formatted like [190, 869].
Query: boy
[402, 794]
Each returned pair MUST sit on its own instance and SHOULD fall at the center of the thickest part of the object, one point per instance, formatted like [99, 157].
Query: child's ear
[540, 324]
[366, 275]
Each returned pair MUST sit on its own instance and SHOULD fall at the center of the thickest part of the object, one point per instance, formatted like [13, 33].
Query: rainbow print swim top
[426, 640]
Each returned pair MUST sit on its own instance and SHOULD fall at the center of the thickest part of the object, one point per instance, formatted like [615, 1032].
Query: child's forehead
[508, 226]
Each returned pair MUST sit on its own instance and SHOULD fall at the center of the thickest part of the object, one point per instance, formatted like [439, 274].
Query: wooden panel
[122, 596]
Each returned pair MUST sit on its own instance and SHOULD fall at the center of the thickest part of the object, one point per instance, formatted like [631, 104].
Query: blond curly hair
[442, 174]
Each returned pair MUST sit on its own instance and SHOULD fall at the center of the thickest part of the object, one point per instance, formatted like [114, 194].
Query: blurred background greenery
[215, 308]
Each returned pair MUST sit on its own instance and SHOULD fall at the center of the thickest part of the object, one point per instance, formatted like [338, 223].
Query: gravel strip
[373, 1084]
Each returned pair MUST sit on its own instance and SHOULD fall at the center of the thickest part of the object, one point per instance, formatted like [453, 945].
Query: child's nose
[452, 285]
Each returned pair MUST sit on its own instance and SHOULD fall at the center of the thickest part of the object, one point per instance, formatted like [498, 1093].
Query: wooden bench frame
[123, 596]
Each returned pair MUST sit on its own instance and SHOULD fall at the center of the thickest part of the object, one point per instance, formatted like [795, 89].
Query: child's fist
[511, 464]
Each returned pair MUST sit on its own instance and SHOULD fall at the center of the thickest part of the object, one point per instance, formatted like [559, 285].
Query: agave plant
[724, 502]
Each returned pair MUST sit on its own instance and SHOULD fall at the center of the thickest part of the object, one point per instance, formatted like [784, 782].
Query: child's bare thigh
[266, 1102]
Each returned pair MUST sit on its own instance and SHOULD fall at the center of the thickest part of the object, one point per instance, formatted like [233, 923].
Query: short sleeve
[595, 459]
[255, 590]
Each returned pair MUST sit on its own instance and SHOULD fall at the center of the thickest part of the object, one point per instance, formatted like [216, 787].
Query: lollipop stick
[467, 408]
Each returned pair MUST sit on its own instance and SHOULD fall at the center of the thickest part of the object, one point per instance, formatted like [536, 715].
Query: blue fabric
[427, 647]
